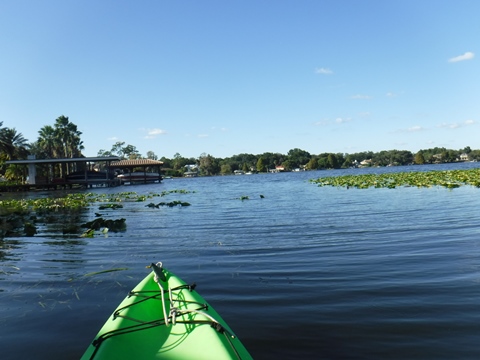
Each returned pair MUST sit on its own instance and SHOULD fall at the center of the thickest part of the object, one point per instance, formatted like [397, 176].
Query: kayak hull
[165, 319]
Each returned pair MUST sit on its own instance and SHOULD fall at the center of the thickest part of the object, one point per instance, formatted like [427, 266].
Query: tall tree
[125, 152]
[332, 161]
[225, 169]
[208, 164]
[12, 144]
[131, 152]
[261, 165]
[312, 163]
[298, 157]
[151, 155]
[103, 152]
[68, 138]
[47, 142]
[419, 158]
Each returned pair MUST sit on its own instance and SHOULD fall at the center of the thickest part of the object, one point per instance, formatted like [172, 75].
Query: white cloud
[360, 96]
[323, 71]
[342, 120]
[113, 138]
[457, 125]
[153, 133]
[467, 56]
[156, 132]
[202, 135]
[391, 95]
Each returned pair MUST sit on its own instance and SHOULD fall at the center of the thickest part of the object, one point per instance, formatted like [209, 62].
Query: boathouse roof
[136, 162]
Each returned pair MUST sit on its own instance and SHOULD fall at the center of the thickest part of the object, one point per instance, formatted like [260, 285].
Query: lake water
[304, 272]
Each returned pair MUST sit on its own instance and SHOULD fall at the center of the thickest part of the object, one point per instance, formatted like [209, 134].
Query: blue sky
[231, 77]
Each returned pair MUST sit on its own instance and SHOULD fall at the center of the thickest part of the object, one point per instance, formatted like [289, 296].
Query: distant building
[437, 158]
[192, 170]
[366, 162]
[464, 157]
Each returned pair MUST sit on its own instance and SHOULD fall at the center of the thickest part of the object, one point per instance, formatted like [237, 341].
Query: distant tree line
[63, 140]
[301, 159]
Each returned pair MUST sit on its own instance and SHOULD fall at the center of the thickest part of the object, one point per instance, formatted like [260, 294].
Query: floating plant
[110, 206]
[169, 204]
[113, 225]
[449, 179]
[22, 217]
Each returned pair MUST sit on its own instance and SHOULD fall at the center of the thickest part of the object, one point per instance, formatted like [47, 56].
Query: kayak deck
[164, 318]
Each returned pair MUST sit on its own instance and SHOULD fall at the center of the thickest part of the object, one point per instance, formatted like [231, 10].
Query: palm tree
[47, 142]
[15, 173]
[68, 138]
[62, 140]
[12, 144]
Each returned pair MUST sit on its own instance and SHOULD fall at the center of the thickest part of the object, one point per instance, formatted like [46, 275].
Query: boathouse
[138, 171]
[54, 173]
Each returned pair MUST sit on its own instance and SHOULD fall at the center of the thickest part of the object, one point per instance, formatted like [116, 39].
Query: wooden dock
[61, 185]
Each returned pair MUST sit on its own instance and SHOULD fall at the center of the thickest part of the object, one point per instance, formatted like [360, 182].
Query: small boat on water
[138, 177]
[164, 318]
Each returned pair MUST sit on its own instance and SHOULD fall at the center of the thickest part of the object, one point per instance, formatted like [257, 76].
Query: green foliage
[298, 157]
[209, 165]
[449, 179]
[12, 144]
[348, 162]
[288, 165]
[312, 164]
[332, 162]
[15, 173]
[419, 158]
[261, 165]
[225, 169]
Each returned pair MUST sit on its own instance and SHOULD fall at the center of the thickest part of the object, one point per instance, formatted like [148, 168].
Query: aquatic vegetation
[113, 225]
[246, 197]
[169, 204]
[110, 206]
[88, 234]
[105, 271]
[24, 217]
[29, 229]
[449, 179]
